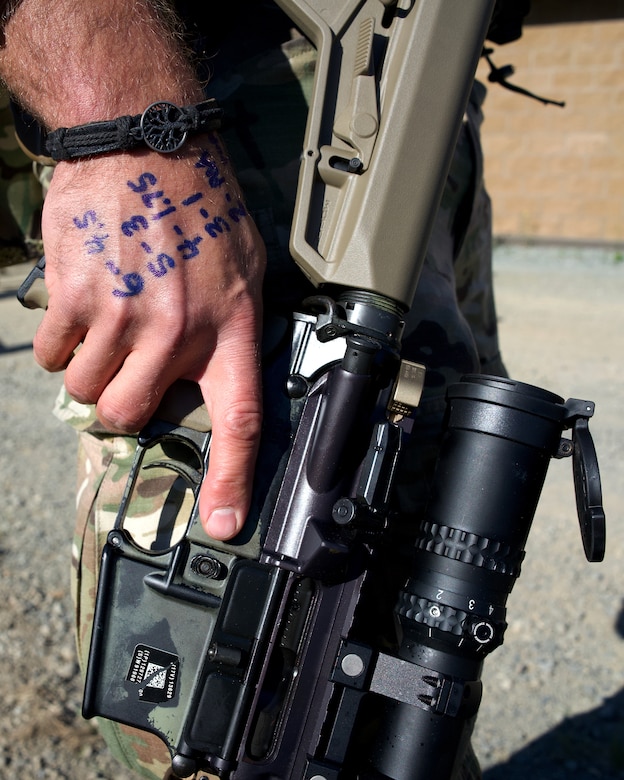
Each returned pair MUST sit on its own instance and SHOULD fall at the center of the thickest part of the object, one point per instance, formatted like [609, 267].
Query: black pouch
[507, 20]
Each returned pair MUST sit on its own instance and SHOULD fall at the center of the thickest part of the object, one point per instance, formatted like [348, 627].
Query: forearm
[73, 62]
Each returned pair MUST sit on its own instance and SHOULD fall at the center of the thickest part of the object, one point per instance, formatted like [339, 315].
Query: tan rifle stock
[391, 86]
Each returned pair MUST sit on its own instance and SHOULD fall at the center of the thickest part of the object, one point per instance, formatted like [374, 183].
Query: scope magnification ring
[457, 622]
[460, 545]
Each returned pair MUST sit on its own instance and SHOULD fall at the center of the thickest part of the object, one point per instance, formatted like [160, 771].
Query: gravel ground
[42, 734]
[554, 693]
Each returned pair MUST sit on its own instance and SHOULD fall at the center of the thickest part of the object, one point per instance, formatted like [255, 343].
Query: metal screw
[296, 386]
[207, 566]
[344, 511]
[352, 665]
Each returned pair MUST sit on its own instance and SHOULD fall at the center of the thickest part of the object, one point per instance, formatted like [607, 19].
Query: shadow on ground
[589, 745]
[6, 350]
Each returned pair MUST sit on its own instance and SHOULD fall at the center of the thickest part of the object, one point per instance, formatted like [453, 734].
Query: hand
[154, 267]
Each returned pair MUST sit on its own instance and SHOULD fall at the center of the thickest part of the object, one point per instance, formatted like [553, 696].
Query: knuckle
[47, 358]
[242, 421]
[80, 391]
[119, 417]
[47, 363]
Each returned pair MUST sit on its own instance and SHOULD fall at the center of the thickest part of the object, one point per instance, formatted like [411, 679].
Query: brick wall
[558, 173]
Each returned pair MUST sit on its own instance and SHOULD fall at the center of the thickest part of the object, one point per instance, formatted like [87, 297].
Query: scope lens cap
[588, 492]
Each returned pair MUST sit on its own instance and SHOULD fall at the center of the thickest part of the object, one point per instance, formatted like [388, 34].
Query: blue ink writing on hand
[192, 199]
[88, 218]
[134, 285]
[158, 205]
[211, 170]
[164, 213]
[96, 244]
[96, 241]
[130, 226]
[159, 268]
[218, 149]
[149, 197]
[189, 247]
[236, 213]
[145, 180]
[218, 225]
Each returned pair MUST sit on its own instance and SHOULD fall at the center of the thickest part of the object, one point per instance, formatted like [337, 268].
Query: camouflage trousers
[451, 328]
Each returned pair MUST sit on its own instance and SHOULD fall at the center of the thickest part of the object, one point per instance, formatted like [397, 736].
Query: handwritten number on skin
[134, 282]
[88, 219]
[211, 170]
[134, 285]
[130, 226]
[96, 242]
[145, 180]
[160, 208]
[163, 262]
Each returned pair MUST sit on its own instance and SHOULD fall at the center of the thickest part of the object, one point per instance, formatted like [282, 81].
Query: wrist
[71, 63]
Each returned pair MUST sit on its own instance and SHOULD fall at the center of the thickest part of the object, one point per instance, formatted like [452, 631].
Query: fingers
[128, 386]
[232, 391]
[56, 339]
[126, 383]
[125, 380]
[94, 365]
[129, 398]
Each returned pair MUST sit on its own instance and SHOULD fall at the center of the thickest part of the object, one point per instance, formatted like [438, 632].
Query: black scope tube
[499, 439]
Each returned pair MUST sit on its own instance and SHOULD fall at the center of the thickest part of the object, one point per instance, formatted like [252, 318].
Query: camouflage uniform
[20, 196]
[451, 327]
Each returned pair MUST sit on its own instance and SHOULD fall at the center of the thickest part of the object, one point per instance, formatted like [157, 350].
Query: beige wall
[559, 172]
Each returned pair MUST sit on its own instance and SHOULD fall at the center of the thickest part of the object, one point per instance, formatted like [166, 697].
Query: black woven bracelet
[163, 127]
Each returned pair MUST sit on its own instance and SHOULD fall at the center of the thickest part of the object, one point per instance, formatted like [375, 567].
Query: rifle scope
[499, 439]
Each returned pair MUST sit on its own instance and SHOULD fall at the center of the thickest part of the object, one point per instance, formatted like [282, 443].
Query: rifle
[270, 655]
